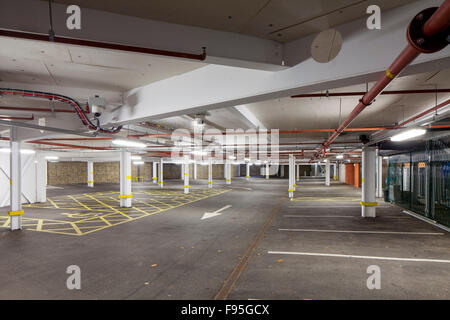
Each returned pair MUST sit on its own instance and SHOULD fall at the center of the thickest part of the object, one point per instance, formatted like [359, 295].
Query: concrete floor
[174, 254]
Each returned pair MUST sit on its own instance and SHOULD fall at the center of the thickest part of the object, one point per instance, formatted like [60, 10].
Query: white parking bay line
[356, 257]
[364, 231]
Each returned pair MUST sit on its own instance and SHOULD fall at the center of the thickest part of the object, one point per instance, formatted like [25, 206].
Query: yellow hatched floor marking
[7, 221]
[79, 202]
[39, 225]
[53, 203]
[111, 216]
[108, 206]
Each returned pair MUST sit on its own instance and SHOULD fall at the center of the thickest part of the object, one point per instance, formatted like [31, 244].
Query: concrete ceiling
[42, 63]
[327, 113]
[280, 20]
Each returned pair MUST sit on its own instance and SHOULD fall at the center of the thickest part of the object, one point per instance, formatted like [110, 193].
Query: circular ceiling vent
[326, 46]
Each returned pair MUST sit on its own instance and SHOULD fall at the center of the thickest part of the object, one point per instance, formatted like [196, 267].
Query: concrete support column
[327, 173]
[90, 174]
[161, 175]
[247, 171]
[41, 178]
[186, 176]
[316, 171]
[368, 182]
[291, 176]
[15, 211]
[227, 172]
[267, 171]
[210, 180]
[155, 172]
[379, 176]
[195, 171]
[297, 167]
[335, 173]
[125, 179]
[182, 171]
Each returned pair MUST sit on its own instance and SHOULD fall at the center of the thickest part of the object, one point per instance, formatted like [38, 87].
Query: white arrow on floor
[207, 215]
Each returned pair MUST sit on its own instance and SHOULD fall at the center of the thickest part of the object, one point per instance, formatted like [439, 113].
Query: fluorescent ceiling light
[128, 143]
[340, 156]
[22, 151]
[51, 158]
[199, 153]
[136, 158]
[408, 134]
[232, 157]
[138, 163]
[247, 159]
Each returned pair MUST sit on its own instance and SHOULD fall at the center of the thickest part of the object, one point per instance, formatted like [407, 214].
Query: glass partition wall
[420, 181]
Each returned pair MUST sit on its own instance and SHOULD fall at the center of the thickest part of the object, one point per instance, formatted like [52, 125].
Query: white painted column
[291, 176]
[41, 178]
[90, 174]
[228, 172]
[379, 175]
[15, 211]
[368, 201]
[186, 176]
[327, 173]
[210, 180]
[155, 172]
[125, 179]
[195, 170]
[335, 173]
[247, 171]
[316, 171]
[182, 171]
[298, 171]
[161, 173]
[267, 171]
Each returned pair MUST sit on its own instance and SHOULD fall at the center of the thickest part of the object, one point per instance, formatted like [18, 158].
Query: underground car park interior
[234, 158]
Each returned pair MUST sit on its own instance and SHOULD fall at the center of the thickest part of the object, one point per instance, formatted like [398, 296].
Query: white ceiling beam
[221, 47]
[364, 56]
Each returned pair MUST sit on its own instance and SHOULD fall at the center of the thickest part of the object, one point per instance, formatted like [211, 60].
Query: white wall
[30, 179]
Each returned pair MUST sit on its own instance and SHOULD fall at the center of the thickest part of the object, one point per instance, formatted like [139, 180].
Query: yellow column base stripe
[209, 182]
[295, 185]
[90, 181]
[154, 178]
[368, 204]
[186, 186]
[228, 180]
[15, 213]
[122, 196]
[290, 190]
[247, 176]
[160, 182]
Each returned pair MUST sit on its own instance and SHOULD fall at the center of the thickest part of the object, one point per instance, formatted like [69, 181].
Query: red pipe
[16, 118]
[443, 104]
[39, 109]
[360, 93]
[437, 22]
[103, 45]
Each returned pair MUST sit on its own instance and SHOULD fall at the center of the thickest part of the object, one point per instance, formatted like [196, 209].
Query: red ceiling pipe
[248, 133]
[76, 139]
[360, 93]
[419, 39]
[16, 118]
[443, 104]
[40, 109]
[103, 45]
[71, 146]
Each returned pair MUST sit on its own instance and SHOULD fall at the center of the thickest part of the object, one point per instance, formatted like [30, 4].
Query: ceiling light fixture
[340, 156]
[127, 143]
[51, 158]
[136, 158]
[408, 134]
[138, 163]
